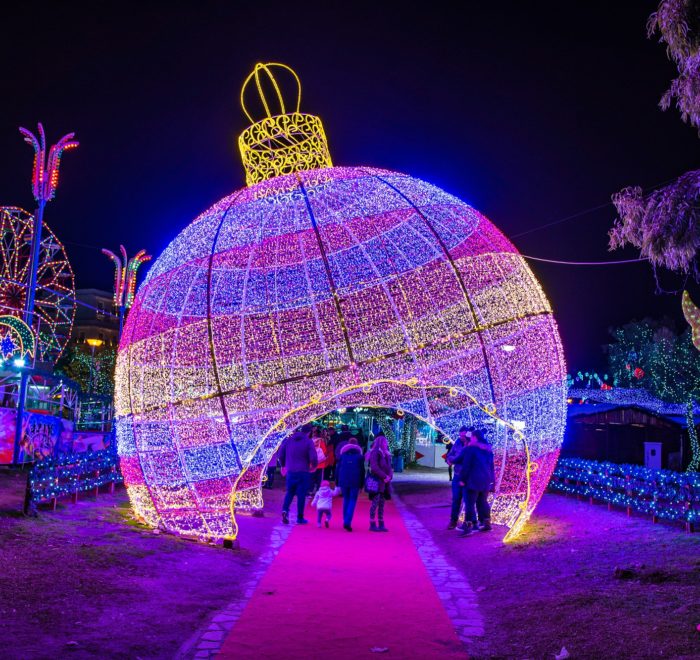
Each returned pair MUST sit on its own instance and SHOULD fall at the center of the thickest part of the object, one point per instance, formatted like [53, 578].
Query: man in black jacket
[298, 459]
[457, 489]
[477, 476]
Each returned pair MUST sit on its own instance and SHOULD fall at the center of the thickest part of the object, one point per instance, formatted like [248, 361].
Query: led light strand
[315, 281]
[413, 383]
[662, 493]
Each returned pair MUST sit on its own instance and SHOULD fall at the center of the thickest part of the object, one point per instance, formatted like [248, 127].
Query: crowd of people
[324, 463]
[313, 456]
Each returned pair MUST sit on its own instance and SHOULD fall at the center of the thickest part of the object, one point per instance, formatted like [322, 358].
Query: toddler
[323, 501]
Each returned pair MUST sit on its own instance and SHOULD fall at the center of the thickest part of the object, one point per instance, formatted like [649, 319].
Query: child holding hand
[323, 501]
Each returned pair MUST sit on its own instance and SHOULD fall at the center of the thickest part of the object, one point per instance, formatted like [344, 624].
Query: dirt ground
[596, 582]
[87, 582]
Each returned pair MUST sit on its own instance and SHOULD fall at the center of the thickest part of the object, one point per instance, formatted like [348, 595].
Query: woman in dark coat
[350, 474]
[380, 469]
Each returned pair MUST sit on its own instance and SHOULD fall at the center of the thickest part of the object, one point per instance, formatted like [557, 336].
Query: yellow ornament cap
[285, 140]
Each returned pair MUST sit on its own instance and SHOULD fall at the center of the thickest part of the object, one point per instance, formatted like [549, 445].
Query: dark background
[531, 112]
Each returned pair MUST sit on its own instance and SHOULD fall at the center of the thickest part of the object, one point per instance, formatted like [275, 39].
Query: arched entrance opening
[517, 488]
[415, 444]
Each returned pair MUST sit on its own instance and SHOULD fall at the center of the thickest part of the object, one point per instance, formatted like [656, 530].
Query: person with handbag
[478, 478]
[377, 482]
[298, 459]
[350, 475]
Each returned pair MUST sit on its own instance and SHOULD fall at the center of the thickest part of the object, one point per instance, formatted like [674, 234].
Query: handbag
[371, 484]
[320, 455]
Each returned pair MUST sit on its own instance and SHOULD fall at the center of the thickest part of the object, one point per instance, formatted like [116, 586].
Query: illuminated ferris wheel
[55, 286]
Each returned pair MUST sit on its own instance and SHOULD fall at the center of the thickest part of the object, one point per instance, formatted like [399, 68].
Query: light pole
[44, 184]
[93, 344]
[125, 271]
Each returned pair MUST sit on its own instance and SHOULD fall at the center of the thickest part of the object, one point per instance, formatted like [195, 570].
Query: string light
[279, 143]
[320, 290]
[661, 493]
[125, 271]
[55, 304]
[18, 339]
[57, 476]
[692, 316]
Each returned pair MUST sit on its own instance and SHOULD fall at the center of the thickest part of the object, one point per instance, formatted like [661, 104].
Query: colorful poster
[40, 435]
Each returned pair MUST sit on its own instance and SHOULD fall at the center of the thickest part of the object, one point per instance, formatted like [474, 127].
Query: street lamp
[44, 184]
[93, 344]
[125, 271]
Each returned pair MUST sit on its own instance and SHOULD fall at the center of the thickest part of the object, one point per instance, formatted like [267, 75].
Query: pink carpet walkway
[334, 594]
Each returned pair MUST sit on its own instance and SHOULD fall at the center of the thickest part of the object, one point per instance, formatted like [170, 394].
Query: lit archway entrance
[516, 484]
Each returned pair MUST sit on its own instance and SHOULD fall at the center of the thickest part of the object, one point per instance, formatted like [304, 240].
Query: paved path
[330, 593]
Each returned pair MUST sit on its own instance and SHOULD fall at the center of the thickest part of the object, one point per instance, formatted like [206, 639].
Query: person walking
[271, 470]
[350, 475]
[457, 489]
[342, 439]
[448, 444]
[380, 471]
[478, 477]
[322, 457]
[298, 459]
[323, 501]
[330, 455]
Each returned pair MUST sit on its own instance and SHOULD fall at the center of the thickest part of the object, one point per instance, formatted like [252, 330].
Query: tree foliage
[678, 24]
[670, 363]
[664, 224]
[93, 374]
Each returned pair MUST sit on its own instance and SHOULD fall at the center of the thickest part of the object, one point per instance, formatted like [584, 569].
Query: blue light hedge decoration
[69, 474]
[663, 494]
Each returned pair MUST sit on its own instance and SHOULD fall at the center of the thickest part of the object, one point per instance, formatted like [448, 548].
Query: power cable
[585, 263]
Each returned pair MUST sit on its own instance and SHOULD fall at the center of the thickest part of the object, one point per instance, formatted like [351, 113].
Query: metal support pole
[22, 395]
[121, 322]
[28, 316]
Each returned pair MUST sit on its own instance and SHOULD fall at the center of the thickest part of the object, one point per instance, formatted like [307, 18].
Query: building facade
[95, 318]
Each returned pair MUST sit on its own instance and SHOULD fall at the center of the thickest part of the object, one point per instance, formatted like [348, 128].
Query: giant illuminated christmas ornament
[321, 287]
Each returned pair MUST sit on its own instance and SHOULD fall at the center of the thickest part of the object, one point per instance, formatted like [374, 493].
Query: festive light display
[45, 172]
[67, 474]
[323, 289]
[280, 143]
[54, 306]
[632, 396]
[125, 271]
[692, 315]
[661, 493]
[18, 338]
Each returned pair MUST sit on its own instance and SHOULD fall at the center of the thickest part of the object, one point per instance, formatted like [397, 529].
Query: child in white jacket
[323, 501]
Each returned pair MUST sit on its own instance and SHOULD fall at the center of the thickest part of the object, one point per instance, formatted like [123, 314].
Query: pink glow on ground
[334, 594]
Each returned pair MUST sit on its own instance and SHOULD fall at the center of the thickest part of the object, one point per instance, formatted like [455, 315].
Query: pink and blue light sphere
[322, 289]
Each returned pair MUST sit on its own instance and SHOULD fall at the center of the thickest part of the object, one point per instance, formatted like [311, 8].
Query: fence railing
[662, 494]
[70, 474]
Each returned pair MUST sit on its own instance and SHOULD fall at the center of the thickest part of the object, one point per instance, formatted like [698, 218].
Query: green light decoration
[16, 338]
[669, 368]
[94, 374]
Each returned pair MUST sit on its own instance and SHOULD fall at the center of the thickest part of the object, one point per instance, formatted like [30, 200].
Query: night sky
[531, 112]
